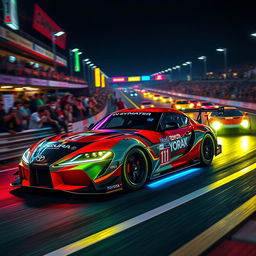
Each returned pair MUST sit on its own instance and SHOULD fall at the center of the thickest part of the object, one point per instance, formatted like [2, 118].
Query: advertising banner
[46, 26]
[11, 14]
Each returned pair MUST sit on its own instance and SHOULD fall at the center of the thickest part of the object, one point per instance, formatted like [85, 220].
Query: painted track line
[213, 234]
[106, 233]
[10, 169]
[127, 98]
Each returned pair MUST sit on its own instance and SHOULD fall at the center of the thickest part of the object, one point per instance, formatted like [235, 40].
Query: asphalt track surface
[39, 223]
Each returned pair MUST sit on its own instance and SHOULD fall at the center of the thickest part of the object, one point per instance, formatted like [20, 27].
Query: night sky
[143, 37]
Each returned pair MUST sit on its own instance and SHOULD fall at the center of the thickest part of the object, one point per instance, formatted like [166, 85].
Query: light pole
[71, 60]
[224, 50]
[54, 35]
[204, 58]
[179, 69]
[190, 68]
[184, 64]
[84, 68]
[170, 70]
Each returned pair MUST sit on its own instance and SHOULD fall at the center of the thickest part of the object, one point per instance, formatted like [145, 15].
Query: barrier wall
[83, 125]
[240, 104]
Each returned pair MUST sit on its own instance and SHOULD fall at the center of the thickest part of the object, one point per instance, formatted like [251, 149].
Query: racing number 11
[165, 156]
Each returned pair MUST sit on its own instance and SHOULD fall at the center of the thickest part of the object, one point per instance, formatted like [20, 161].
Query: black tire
[135, 170]
[207, 150]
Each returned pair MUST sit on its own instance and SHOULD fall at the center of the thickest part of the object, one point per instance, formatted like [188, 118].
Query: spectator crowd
[20, 67]
[230, 90]
[38, 110]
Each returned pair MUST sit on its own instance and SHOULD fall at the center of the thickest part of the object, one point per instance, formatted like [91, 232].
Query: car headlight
[142, 106]
[178, 106]
[216, 125]
[88, 158]
[152, 106]
[26, 156]
[245, 123]
[191, 105]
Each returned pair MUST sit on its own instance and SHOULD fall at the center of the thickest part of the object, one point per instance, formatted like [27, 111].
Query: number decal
[165, 156]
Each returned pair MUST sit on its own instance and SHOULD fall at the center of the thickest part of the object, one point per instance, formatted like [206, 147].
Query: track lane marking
[106, 233]
[218, 230]
[10, 169]
[127, 98]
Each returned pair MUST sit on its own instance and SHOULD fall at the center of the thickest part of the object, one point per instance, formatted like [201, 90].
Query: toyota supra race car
[121, 152]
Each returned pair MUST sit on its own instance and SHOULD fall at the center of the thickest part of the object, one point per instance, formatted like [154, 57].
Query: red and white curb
[241, 243]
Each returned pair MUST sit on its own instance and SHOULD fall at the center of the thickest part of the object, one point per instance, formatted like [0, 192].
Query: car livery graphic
[122, 151]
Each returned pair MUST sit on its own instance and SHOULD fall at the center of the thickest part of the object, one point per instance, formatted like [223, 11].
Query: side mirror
[171, 126]
[90, 126]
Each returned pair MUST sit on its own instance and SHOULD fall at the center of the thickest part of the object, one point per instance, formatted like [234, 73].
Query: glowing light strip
[173, 177]
[133, 78]
[118, 79]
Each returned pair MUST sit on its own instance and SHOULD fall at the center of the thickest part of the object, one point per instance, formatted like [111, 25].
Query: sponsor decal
[40, 158]
[113, 187]
[165, 156]
[132, 114]
[59, 146]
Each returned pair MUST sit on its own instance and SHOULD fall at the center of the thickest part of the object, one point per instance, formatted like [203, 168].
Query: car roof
[150, 110]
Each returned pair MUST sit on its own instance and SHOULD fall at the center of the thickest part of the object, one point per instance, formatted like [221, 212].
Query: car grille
[40, 175]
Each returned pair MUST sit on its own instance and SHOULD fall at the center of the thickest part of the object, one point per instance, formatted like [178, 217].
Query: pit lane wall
[238, 104]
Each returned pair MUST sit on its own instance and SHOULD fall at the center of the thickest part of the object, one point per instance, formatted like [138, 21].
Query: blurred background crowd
[41, 110]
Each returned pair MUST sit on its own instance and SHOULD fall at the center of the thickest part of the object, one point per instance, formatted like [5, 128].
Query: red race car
[122, 151]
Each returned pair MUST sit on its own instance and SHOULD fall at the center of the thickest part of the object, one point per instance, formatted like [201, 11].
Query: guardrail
[12, 146]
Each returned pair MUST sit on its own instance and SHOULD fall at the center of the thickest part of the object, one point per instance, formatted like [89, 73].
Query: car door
[174, 143]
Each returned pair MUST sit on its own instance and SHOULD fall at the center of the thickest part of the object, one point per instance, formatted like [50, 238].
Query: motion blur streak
[99, 236]
[173, 177]
[210, 236]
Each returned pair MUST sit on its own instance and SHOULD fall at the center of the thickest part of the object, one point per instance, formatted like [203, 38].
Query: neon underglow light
[118, 79]
[173, 177]
[145, 78]
[159, 77]
[133, 78]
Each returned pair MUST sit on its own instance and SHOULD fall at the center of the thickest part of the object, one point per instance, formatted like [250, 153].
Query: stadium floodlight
[85, 60]
[60, 33]
[178, 67]
[91, 65]
[184, 64]
[201, 58]
[224, 50]
[253, 34]
[75, 49]
[169, 69]
[174, 68]
[80, 53]
[94, 66]
[189, 62]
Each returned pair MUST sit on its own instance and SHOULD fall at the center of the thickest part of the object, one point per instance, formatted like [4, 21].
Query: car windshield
[146, 103]
[229, 113]
[182, 102]
[129, 120]
[207, 104]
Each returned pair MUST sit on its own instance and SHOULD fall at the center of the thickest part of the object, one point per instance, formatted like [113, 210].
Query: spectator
[57, 115]
[120, 105]
[40, 100]
[13, 121]
[33, 103]
[68, 113]
[42, 118]
[3, 117]
[25, 112]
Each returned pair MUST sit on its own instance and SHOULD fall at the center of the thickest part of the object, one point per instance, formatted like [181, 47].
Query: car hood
[51, 150]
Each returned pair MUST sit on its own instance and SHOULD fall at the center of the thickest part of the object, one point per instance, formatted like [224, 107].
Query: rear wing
[219, 110]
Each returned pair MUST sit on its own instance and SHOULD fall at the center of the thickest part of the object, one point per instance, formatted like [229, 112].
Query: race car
[230, 119]
[156, 97]
[195, 104]
[121, 152]
[182, 104]
[166, 99]
[133, 93]
[146, 104]
[208, 105]
[146, 93]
